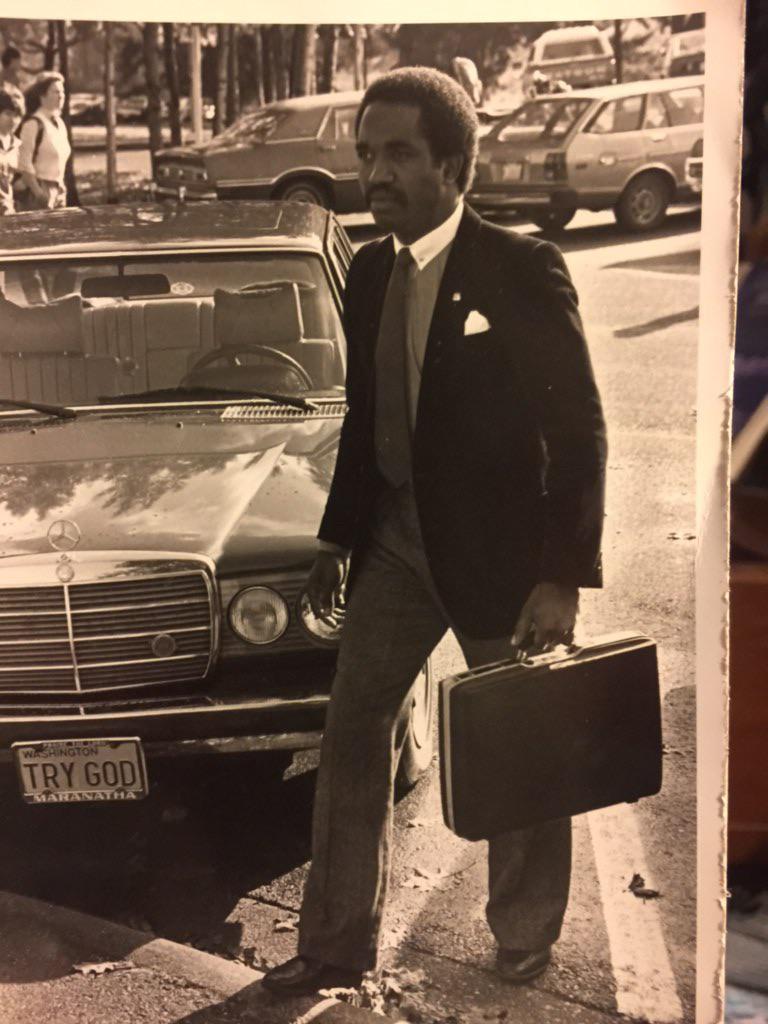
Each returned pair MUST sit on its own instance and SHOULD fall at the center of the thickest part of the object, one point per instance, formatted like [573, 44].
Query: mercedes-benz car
[171, 395]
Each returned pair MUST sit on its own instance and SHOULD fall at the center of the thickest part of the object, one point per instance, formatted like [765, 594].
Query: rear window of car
[275, 125]
[685, 106]
[552, 117]
[622, 115]
[568, 50]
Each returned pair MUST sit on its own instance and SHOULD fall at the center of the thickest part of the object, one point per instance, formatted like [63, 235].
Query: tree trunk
[172, 81]
[233, 88]
[278, 64]
[303, 60]
[359, 57]
[618, 51]
[109, 110]
[222, 51]
[267, 64]
[49, 58]
[152, 73]
[73, 199]
[330, 37]
[258, 84]
[196, 83]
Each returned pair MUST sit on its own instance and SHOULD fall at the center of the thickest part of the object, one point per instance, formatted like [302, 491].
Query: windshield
[74, 332]
[552, 117]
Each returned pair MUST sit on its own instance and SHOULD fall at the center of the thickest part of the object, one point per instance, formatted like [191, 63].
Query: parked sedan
[301, 149]
[621, 147]
[173, 389]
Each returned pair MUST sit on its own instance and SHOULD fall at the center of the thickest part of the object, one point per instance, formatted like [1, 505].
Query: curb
[83, 936]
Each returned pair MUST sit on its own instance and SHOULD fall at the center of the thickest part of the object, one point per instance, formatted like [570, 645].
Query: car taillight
[554, 167]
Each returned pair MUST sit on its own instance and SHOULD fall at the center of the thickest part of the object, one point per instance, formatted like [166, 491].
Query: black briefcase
[535, 738]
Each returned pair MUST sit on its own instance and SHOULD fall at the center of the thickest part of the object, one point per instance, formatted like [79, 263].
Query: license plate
[76, 771]
[511, 172]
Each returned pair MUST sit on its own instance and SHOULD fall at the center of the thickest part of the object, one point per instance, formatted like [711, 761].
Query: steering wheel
[230, 353]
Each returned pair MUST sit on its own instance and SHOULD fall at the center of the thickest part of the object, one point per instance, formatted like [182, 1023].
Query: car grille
[81, 637]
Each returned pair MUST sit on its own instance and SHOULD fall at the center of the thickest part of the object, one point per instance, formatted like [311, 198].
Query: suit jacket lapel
[447, 313]
[374, 298]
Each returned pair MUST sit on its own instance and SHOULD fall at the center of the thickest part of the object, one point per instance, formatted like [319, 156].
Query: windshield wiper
[62, 411]
[171, 394]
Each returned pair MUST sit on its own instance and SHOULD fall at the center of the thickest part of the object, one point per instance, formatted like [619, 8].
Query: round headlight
[316, 628]
[258, 615]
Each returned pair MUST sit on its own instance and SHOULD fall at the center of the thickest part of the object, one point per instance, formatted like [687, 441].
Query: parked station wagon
[621, 147]
[172, 389]
[300, 149]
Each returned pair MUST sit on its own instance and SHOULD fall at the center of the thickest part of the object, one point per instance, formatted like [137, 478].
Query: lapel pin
[456, 296]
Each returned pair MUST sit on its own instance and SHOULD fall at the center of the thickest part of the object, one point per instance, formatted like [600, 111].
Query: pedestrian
[468, 491]
[10, 75]
[45, 147]
[10, 117]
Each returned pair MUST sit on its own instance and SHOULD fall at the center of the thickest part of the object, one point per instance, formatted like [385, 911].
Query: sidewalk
[127, 977]
[59, 966]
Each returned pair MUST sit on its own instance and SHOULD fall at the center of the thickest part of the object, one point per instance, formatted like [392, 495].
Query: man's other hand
[548, 615]
[325, 586]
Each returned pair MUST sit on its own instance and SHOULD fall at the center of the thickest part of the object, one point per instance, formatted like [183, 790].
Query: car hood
[248, 495]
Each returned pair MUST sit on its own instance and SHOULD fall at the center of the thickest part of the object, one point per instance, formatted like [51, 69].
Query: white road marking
[645, 984]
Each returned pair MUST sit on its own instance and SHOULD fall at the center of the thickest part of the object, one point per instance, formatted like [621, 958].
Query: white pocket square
[475, 323]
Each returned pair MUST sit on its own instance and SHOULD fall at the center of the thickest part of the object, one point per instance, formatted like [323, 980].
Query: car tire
[643, 203]
[419, 743]
[306, 190]
[553, 221]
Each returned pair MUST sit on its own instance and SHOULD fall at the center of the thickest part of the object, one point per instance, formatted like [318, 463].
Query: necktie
[392, 433]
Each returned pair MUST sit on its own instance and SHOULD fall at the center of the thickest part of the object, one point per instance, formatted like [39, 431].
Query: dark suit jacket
[509, 445]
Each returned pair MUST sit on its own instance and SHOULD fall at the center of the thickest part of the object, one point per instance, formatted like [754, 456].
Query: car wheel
[643, 203]
[419, 742]
[304, 190]
[552, 221]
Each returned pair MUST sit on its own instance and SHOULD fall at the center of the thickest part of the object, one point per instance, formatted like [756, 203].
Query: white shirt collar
[425, 249]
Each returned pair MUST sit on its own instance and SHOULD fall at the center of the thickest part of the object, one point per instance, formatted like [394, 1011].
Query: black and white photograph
[363, 432]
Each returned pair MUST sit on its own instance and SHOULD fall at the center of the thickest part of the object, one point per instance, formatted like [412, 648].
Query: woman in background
[45, 147]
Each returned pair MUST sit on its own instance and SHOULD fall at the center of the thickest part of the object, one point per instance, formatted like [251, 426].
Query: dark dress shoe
[303, 976]
[520, 965]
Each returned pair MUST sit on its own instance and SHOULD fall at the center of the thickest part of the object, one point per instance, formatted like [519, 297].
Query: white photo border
[725, 20]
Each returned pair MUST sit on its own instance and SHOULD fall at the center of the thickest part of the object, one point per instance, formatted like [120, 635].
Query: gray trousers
[394, 620]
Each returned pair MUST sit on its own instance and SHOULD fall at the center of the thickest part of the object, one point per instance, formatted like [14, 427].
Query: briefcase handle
[526, 655]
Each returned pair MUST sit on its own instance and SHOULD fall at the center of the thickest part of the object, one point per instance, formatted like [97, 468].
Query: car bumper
[183, 193]
[231, 720]
[694, 175]
[518, 197]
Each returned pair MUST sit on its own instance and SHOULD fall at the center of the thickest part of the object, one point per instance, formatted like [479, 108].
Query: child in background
[10, 116]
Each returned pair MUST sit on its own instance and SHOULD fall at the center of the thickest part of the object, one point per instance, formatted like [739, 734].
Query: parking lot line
[645, 984]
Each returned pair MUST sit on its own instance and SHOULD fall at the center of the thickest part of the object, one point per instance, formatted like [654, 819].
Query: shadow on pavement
[177, 863]
[657, 324]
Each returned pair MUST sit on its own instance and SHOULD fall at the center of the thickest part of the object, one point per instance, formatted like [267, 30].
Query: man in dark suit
[468, 490]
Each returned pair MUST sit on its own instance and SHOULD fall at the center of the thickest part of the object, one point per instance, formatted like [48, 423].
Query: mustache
[384, 193]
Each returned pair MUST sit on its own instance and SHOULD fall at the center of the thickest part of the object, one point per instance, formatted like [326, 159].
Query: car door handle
[608, 159]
